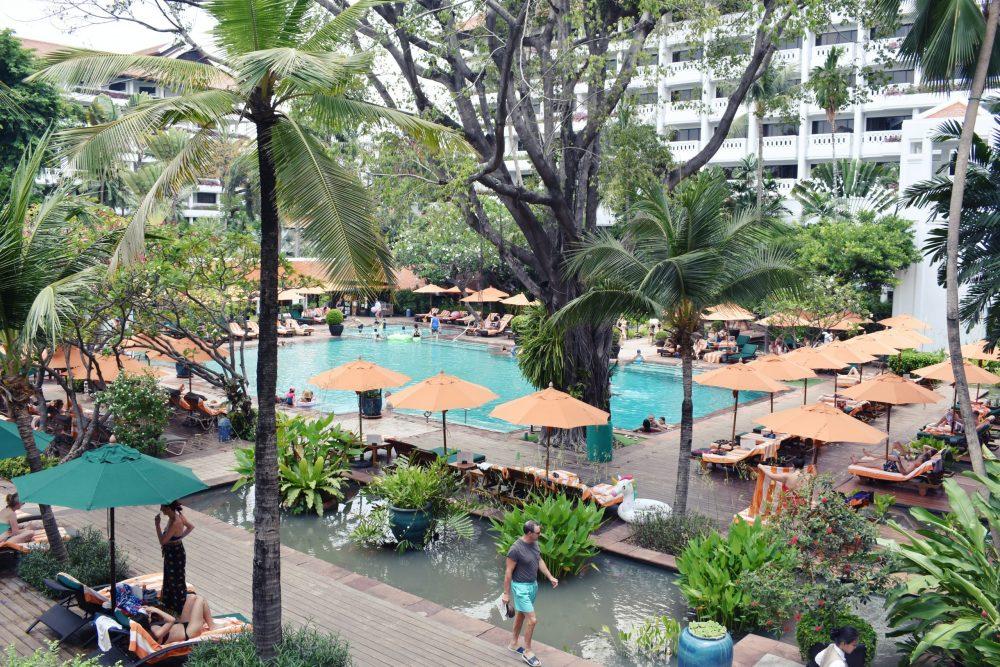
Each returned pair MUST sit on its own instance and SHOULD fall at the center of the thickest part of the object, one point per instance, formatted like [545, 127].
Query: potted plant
[371, 404]
[335, 320]
[705, 644]
[661, 338]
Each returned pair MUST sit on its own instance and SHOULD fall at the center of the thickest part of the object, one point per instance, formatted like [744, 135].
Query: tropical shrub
[669, 533]
[47, 657]
[313, 462]
[18, 465]
[334, 316]
[707, 629]
[910, 360]
[839, 562]
[947, 608]
[712, 567]
[299, 647]
[518, 324]
[774, 595]
[88, 561]
[653, 640]
[816, 629]
[404, 298]
[565, 541]
[661, 336]
[244, 424]
[138, 407]
[540, 355]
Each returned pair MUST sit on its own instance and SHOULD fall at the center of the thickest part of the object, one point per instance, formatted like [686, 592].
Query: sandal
[533, 660]
[519, 650]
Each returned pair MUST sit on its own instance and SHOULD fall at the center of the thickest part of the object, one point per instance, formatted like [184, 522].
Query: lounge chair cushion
[142, 644]
[39, 540]
[887, 476]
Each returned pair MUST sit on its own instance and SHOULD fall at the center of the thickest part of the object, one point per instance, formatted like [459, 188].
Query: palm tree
[678, 256]
[43, 279]
[948, 38]
[979, 235]
[273, 55]
[766, 94]
[831, 87]
[845, 188]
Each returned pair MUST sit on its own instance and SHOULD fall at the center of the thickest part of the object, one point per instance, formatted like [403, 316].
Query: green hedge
[50, 657]
[910, 360]
[88, 562]
[18, 465]
[300, 647]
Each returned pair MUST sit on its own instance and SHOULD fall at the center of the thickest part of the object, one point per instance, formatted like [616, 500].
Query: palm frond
[299, 69]
[56, 301]
[314, 189]
[336, 109]
[22, 185]
[335, 31]
[88, 69]
[604, 304]
[242, 26]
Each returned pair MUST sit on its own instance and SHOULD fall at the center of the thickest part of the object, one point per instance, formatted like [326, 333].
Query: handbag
[506, 608]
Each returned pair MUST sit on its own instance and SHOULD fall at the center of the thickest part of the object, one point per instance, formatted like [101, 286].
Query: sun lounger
[752, 445]
[238, 332]
[602, 494]
[135, 646]
[497, 329]
[202, 415]
[768, 494]
[284, 331]
[424, 317]
[253, 329]
[928, 472]
[850, 378]
[747, 352]
[77, 606]
[298, 329]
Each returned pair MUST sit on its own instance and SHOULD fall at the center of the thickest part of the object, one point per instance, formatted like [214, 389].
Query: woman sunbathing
[194, 620]
[898, 461]
[14, 532]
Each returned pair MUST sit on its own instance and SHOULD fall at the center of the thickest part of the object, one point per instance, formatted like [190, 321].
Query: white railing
[739, 144]
[780, 142]
[784, 185]
[883, 137]
[685, 146]
[840, 138]
[846, 52]
[787, 56]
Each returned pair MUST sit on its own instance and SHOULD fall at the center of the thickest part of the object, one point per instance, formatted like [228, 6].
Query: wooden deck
[908, 495]
[20, 605]
[384, 625]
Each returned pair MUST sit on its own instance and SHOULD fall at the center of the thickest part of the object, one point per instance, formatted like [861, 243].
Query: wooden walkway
[20, 605]
[384, 625]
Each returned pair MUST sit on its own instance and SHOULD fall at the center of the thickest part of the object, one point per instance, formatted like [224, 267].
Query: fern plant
[306, 485]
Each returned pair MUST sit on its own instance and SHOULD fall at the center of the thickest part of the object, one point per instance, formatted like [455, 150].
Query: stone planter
[410, 525]
[697, 652]
[336, 329]
[371, 406]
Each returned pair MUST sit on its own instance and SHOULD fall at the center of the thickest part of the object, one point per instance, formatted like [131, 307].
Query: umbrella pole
[111, 545]
[736, 404]
[772, 401]
[954, 399]
[444, 432]
[805, 390]
[360, 427]
[815, 451]
[548, 450]
[888, 420]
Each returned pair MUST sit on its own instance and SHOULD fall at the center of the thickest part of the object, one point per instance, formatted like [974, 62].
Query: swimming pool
[637, 391]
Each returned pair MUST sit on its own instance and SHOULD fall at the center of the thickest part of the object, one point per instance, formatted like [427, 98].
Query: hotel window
[148, 90]
[684, 55]
[644, 96]
[899, 75]
[841, 125]
[117, 86]
[781, 129]
[837, 37]
[784, 170]
[687, 134]
[685, 94]
[205, 197]
[885, 123]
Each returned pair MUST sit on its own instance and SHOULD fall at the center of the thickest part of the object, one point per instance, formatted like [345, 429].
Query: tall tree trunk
[23, 420]
[267, 542]
[760, 161]
[954, 221]
[687, 430]
[832, 119]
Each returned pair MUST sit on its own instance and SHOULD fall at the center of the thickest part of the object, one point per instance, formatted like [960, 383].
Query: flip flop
[519, 650]
[533, 660]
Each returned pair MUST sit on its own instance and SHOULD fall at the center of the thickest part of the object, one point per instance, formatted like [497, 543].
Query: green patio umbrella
[108, 477]
[11, 444]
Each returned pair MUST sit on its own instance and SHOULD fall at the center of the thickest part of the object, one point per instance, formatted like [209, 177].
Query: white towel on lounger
[102, 624]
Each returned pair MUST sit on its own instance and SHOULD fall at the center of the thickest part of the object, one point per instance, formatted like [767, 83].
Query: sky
[34, 19]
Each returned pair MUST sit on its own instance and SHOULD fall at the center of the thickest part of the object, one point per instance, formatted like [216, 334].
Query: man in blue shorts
[520, 584]
[435, 325]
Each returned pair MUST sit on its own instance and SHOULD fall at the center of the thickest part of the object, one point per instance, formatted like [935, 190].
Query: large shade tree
[679, 255]
[272, 53]
[46, 272]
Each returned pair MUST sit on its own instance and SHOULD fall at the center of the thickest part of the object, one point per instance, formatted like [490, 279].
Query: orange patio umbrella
[901, 338]
[850, 355]
[518, 300]
[945, 373]
[83, 367]
[739, 377]
[193, 352]
[727, 312]
[550, 408]
[359, 376]
[441, 393]
[872, 346]
[781, 368]
[892, 390]
[429, 289]
[977, 351]
[784, 320]
[488, 295]
[904, 321]
[814, 359]
[848, 322]
[821, 423]
[455, 289]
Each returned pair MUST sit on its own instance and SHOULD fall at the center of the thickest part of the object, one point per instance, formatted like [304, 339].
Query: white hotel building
[892, 126]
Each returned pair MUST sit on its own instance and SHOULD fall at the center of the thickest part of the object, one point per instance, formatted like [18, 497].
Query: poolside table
[474, 457]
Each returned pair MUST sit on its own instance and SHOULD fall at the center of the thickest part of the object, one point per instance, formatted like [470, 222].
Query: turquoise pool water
[637, 391]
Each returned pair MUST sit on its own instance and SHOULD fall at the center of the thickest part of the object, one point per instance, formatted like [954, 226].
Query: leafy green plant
[707, 629]
[334, 316]
[910, 360]
[411, 487]
[244, 424]
[661, 336]
[541, 354]
[567, 524]
[816, 629]
[654, 639]
[47, 657]
[88, 561]
[518, 324]
[712, 567]
[18, 465]
[774, 595]
[299, 647]
[947, 607]
[138, 407]
[881, 504]
[669, 533]
[306, 485]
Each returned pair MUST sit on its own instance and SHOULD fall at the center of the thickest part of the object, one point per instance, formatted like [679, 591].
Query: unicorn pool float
[632, 508]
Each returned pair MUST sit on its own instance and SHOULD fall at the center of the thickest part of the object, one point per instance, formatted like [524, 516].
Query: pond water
[637, 390]
[467, 576]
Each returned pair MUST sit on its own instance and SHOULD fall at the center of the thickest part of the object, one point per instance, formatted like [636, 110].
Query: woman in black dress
[174, 590]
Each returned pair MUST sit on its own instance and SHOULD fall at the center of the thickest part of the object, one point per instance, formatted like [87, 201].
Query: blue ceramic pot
[697, 652]
[410, 525]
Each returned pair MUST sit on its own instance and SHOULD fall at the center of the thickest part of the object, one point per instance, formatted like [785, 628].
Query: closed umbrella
[890, 389]
[11, 444]
[904, 321]
[441, 393]
[550, 408]
[814, 359]
[821, 423]
[781, 368]
[108, 477]
[739, 377]
[359, 376]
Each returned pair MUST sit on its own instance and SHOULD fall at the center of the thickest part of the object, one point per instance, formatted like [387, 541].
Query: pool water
[467, 576]
[637, 390]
